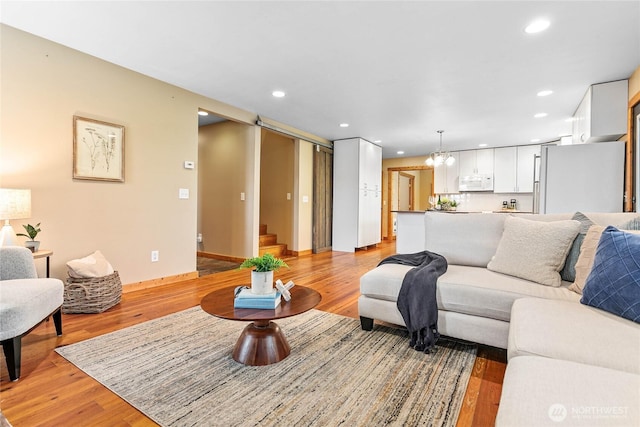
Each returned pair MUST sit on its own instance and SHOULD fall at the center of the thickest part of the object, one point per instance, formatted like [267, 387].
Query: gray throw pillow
[632, 224]
[568, 272]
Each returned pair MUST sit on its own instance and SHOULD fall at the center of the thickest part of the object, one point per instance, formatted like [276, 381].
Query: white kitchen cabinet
[504, 171]
[357, 194]
[474, 162]
[602, 113]
[513, 169]
[445, 178]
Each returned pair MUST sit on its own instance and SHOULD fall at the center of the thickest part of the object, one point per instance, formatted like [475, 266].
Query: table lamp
[14, 204]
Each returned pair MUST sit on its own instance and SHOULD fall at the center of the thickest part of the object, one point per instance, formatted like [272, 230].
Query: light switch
[305, 199]
[183, 193]
[241, 196]
[288, 196]
[189, 165]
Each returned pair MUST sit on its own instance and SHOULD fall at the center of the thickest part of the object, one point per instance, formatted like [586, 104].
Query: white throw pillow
[534, 250]
[94, 265]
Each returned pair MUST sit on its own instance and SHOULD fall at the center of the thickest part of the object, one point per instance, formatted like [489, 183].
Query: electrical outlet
[199, 237]
[155, 256]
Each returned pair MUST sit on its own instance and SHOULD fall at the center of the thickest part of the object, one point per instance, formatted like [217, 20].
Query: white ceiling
[396, 71]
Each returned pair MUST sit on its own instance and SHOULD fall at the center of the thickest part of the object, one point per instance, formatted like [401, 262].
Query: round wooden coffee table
[262, 341]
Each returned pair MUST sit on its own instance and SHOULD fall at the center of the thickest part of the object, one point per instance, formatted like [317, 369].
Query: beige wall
[225, 170]
[303, 197]
[43, 86]
[276, 181]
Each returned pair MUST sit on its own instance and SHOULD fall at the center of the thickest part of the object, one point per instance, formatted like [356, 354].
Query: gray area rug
[178, 371]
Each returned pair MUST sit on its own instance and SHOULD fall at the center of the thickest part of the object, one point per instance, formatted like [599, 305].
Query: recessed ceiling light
[545, 92]
[540, 115]
[537, 26]
[400, 152]
[377, 141]
[344, 125]
[482, 145]
[278, 94]
[535, 140]
[569, 120]
[203, 113]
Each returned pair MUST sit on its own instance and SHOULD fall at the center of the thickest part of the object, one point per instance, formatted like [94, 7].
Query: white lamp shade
[429, 161]
[15, 203]
[450, 160]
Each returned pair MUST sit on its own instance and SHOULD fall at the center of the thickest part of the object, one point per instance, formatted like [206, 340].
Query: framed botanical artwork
[98, 150]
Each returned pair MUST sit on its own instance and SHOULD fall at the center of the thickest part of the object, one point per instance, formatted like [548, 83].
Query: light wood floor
[53, 392]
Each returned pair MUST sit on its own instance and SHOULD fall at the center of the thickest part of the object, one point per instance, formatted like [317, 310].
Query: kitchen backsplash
[478, 202]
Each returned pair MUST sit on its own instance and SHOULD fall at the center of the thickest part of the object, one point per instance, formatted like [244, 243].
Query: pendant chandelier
[438, 158]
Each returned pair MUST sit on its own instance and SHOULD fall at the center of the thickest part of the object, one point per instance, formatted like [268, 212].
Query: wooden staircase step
[277, 250]
[263, 229]
[268, 239]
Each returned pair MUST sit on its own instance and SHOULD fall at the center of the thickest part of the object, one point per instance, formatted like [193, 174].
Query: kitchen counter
[460, 211]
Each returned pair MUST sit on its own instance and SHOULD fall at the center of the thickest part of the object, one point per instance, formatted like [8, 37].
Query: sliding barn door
[322, 198]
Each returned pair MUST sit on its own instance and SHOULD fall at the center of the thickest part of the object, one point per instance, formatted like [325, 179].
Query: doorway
[224, 220]
[406, 183]
[277, 158]
[634, 144]
[408, 189]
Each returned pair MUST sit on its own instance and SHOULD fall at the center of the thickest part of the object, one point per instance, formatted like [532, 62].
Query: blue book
[246, 293]
[262, 303]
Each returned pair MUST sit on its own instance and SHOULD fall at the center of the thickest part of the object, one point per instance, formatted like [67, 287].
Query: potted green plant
[448, 204]
[262, 275]
[32, 232]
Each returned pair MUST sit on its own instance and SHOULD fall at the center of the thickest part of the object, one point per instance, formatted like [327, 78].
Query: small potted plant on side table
[262, 275]
[32, 232]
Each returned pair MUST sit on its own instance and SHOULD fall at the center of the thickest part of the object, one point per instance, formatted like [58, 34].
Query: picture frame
[98, 150]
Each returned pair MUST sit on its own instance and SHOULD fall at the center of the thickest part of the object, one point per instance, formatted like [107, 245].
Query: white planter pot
[33, 245]
[262, 282]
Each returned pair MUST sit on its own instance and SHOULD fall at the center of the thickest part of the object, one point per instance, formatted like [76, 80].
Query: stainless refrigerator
[580, 177]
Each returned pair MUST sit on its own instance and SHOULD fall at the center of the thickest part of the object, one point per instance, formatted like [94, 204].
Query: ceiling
[395, 71]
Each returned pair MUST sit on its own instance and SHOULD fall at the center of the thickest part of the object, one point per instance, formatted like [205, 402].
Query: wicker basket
[91, 295]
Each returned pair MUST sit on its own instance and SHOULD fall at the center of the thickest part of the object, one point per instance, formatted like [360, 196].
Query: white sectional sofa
[566, 361]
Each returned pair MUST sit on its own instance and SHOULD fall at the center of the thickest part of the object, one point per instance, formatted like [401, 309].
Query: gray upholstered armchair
[25, 301]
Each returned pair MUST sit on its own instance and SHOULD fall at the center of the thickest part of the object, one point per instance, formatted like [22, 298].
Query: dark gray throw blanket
[417, 298]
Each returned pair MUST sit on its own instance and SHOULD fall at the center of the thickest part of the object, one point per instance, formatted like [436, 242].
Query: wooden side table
[43, 253]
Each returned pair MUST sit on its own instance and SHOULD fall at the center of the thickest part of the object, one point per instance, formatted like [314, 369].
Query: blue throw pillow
[614, 282]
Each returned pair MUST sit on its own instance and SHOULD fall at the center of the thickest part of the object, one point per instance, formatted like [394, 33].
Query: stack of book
[247, 299]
